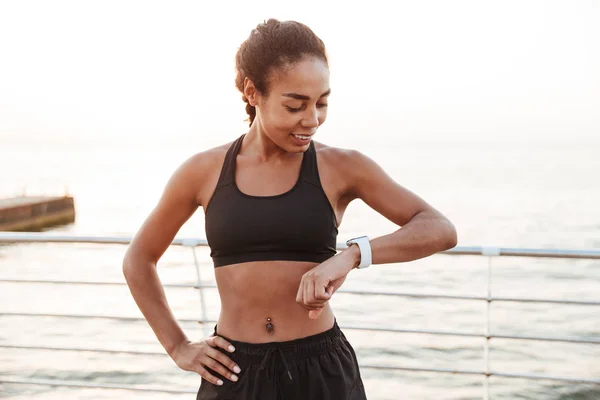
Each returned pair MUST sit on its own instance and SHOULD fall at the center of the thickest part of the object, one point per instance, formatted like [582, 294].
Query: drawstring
[285, 364]
[267, 357]
[263, 364]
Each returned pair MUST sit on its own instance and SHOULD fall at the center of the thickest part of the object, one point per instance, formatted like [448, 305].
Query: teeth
[302, 137]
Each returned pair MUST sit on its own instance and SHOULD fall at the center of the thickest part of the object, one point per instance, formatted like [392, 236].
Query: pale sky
[150, 70]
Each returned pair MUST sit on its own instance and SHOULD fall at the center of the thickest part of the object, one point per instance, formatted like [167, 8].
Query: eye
[292, 109]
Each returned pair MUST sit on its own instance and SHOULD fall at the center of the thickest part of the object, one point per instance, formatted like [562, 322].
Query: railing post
[486, 346]
[489, 252]
[205, 328]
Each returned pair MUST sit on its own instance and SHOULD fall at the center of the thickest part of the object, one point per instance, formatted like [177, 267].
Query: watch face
[353, 240]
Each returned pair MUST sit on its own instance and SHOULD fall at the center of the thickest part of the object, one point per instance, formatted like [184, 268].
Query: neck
[257, 143]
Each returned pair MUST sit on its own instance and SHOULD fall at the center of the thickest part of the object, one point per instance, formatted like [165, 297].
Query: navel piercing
[269, 325]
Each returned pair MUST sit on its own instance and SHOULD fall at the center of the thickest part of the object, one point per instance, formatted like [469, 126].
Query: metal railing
[489, 252]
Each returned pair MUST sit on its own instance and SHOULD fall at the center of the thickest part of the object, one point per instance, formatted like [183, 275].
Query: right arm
[176, 205]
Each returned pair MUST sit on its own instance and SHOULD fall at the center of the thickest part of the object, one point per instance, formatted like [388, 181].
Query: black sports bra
[298, 225]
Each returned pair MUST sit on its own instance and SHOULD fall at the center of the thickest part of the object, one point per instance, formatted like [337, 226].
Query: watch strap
[364, 247]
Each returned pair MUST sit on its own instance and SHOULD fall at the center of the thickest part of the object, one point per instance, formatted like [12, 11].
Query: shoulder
[195, 175]
[349, 162]
[356, 174]
[205, 161]
[210, 156]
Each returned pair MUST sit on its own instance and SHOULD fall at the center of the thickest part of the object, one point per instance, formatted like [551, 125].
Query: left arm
[423, 230]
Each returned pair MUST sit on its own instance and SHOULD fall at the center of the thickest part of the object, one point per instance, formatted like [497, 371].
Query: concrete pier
[35, 213]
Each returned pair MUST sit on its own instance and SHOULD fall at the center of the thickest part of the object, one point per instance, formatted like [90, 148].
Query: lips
[301, 140]
[302, 137]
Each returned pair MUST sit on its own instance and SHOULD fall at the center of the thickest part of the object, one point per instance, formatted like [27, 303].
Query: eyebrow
[304, 97]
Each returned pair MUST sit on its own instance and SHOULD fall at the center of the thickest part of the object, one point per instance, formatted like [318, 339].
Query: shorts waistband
[317, 344]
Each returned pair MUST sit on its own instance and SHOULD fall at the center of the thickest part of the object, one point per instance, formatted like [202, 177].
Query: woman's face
[296, 104]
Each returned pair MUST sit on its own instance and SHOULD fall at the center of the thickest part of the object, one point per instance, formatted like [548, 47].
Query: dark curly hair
[270, 46]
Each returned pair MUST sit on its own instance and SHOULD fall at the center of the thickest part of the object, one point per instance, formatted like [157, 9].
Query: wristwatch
[365, 250]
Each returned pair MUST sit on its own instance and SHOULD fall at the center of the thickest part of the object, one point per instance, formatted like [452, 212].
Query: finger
[300, 294]
[218, 341]
[318, 298]
[206, 375]
[217, 361]
[314, 314]
[309, 291]
[321, 292]
[329, 290]
[316, 303]
[216, 354]
[315, 306]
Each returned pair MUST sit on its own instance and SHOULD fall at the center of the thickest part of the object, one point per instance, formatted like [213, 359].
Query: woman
[273, 201]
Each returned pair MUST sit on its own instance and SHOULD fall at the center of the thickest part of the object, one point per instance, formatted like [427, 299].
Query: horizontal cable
[469, 334]
[92, 283]
[365, 366]
[419, 331]
[523, 252]
[549, 301]
[546, 377]
[490, 374]
[49, 382]
[456, 297]
[348, 327]
[348, 291]
[547, 339]
[86, 385]
[42, 237]
[415, 369]
[82, 316]
[81, 349]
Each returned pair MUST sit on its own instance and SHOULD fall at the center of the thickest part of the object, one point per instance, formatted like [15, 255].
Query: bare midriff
[255, 294]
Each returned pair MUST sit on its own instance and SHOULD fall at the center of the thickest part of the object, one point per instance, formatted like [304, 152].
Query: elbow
[129, 263]
[135, 263]
[442, 232]
[449, 238]
[127, 267]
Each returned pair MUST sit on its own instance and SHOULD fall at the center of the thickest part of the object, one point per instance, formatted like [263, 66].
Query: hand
[320, 283]
[195, 356]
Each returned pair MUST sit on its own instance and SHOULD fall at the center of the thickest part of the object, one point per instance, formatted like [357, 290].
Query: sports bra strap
[227, 176]
[310, 172]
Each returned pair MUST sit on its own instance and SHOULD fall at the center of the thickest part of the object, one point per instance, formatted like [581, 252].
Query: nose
[310, 118]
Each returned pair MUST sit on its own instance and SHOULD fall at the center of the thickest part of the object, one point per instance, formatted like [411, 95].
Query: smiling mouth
[302, 137]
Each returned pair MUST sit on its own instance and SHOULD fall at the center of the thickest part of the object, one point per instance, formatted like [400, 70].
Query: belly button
[270, 327]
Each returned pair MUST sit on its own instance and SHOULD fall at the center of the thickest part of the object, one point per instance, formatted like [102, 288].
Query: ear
[250, 92]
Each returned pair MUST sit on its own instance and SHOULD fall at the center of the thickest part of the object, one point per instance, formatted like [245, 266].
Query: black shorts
[318, 367]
